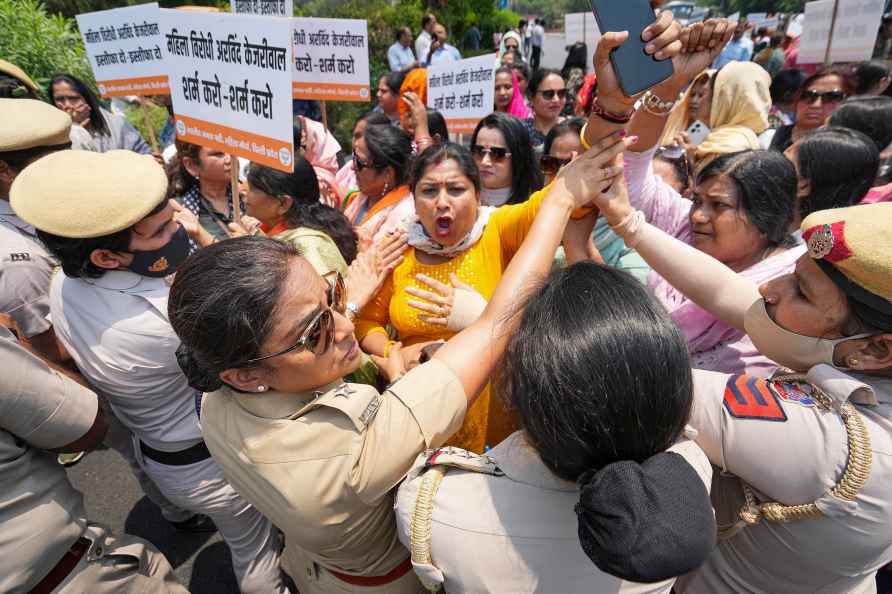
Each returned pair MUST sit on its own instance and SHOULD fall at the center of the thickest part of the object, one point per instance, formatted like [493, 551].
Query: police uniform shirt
[10, 218]
[41, 514]
[118, 334]
[322, 466]
[25, 272]
[514, 530]
[794, 452]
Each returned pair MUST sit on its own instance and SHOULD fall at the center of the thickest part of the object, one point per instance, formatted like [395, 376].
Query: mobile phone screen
[636, 70]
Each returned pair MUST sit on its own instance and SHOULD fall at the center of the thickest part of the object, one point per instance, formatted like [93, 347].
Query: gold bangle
[582, 141]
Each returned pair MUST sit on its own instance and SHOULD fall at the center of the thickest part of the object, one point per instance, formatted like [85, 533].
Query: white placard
[125, 49]
[794, 27]
[815, 32]
[462, 91]
[574, 27]
[855, 32]
[230, 83]
[734, 17]
[331, 59]
[755, 19]
[283, 8]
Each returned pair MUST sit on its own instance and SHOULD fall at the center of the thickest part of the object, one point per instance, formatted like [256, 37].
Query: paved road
[114, 498]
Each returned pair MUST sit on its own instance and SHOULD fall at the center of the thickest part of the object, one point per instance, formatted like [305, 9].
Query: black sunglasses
[550, 93]
[551, 165]
[811, 96]
[359, 164]
[496, 153]
[318, 336]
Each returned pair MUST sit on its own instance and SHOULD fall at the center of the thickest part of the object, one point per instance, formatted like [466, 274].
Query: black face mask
[163, 261]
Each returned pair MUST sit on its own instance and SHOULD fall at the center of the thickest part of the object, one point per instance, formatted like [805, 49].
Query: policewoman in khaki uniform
[47, 544]
[810, 509]
[268, 338]
[601, 491]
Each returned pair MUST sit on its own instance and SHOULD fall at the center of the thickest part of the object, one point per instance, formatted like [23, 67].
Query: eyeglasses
[812, 96]
[496, 153]
[551, 165]
[550, 93]
[318, 336]
[359, 164]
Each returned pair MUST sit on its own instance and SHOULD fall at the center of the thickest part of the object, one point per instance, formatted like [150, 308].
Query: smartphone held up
[636, 70]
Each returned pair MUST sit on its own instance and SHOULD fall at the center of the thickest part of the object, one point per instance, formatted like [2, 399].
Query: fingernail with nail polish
[633, 139]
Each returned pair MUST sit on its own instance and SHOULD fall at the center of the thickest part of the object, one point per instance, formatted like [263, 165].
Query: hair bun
[646, 522]
[196, 374]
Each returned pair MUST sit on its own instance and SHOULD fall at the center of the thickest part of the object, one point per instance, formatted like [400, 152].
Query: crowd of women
[585, 353]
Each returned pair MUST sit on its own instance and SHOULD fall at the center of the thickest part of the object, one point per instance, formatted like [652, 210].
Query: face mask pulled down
[163, 261]
[795, 351]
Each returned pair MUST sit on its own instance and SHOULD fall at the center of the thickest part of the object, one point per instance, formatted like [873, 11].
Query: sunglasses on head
[318, 335]
[550, 93]
[811, 96]
[496, 153]
[551, 165]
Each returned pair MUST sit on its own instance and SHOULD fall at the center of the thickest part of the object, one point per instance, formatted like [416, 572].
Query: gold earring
[853, 361]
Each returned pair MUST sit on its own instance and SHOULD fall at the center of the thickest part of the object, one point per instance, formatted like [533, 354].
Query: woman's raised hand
[587, 176]
[701, 44]
[663, 42]
[371, 266]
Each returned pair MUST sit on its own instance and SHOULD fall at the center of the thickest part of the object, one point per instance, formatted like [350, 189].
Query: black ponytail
[302, 186]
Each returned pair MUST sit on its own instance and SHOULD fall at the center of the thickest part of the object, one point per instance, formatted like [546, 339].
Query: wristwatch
[352, 310]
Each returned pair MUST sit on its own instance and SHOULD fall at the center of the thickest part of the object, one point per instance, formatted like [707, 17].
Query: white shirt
[117, 331]
[399, 56]
[518, 532]
[423, 45]
[538, 39]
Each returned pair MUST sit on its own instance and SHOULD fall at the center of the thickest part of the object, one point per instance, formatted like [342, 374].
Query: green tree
[41, 44]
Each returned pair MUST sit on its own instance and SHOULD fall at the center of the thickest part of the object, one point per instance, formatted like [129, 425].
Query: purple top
[713, 345]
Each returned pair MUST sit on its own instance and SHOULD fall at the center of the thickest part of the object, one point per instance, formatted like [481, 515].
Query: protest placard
[462, 91]
[331, 59]
[230, 83]
[855, 32]
[284, 8]
[815, 32]
[124, 46]
[574, 27]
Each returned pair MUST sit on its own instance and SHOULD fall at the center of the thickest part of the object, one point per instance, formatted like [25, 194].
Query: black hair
[521, 23]
[302, 186]
[74, 254]
[869, 115]
[22, 158]
[401, 30]
[841, 165]
[537, 78]
[868, 74]
[616, 387]
[436, 125]
[568, 126]
[766, 189]
[680, 163]
[393, 80]
[438, 153]
[389, 146]
[526, 177]
[522, 70]
[426, 19]
[372, 118]
[222, 302]
[180, 181]
[14, 88]
[785, 85]
[776, 39]
[97, 120]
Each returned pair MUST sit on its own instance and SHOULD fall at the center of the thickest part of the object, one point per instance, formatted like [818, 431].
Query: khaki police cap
[853, 246]
[28, 123]
[81, 194]
[16, 72]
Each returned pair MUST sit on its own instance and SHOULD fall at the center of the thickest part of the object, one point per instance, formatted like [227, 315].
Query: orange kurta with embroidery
[481, 266]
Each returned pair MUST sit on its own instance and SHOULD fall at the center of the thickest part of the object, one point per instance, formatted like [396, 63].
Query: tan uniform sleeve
[420, 411]
[24, 291]
[771, 435]
[39, 405]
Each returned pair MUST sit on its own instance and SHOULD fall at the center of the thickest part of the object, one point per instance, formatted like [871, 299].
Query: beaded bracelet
[609, 116]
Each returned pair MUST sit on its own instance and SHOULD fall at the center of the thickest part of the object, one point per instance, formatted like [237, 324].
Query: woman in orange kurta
[452, 234]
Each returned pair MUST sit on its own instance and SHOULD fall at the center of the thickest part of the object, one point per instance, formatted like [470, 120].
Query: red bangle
[614, 118]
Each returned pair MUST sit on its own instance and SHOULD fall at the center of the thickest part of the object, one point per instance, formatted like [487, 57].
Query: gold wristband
[582, 141]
